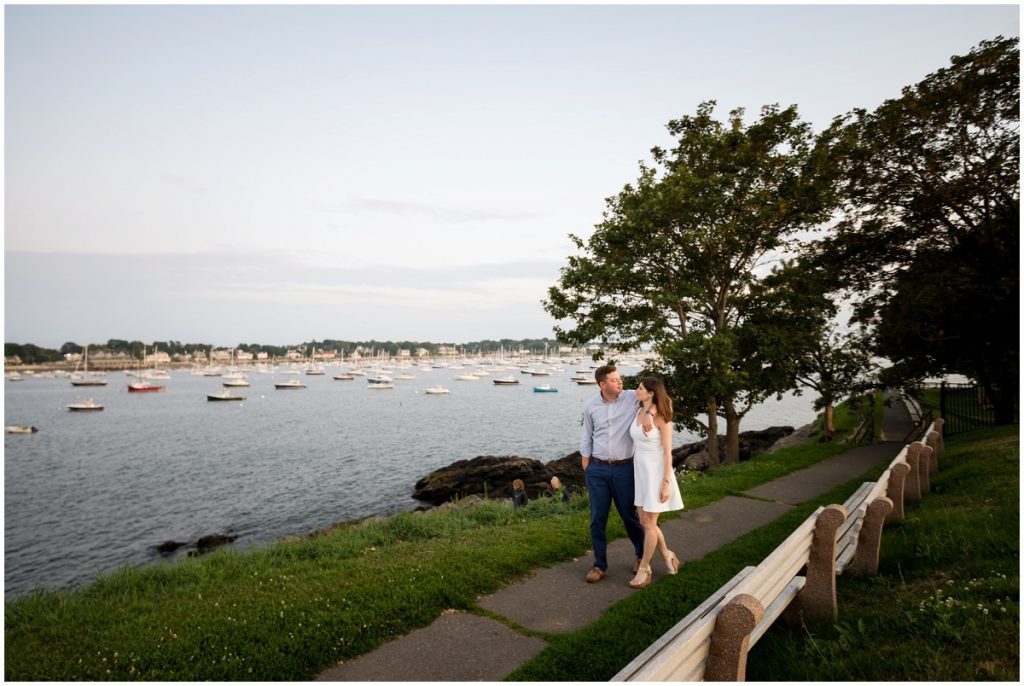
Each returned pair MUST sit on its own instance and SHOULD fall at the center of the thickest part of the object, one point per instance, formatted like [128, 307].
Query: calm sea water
[93, 491]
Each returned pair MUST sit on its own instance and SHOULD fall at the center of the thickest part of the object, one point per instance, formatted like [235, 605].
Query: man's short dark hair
[602, 372]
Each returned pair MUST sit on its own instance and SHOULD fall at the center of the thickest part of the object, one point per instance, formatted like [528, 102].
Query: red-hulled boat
[143, 387]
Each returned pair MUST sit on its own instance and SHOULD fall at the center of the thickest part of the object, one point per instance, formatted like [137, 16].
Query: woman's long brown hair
[661, 402]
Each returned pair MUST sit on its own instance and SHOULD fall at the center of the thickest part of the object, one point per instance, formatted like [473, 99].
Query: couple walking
[613, 423]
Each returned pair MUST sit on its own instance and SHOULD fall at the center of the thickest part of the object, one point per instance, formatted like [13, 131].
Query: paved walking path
[464, 647]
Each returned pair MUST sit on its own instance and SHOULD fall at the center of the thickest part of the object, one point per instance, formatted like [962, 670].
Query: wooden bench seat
[681, 652]
[711, 642]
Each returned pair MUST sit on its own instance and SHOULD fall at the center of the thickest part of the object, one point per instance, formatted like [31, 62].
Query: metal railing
[965, 407]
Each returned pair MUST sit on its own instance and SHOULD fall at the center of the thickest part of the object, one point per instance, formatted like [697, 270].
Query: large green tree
[929, 237]
[678, 261]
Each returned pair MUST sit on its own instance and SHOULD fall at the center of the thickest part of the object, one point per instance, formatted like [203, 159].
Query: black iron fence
[970, 406]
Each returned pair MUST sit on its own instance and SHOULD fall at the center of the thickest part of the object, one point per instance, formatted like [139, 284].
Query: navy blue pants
[607, 484]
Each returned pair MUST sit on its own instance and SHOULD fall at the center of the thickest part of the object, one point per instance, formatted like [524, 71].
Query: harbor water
[92, 491]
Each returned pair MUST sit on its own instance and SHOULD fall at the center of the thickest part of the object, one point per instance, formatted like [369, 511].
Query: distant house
[403, 353]
[293, 355]
[243, 356]
[68, 357]
[422, 352]
[14, 359]
[262, 356]
[159, 357]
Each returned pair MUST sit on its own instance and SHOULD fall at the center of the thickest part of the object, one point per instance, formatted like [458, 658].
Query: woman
[656, 488]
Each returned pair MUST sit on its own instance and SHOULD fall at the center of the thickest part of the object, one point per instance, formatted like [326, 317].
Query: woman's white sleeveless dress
[649, 472]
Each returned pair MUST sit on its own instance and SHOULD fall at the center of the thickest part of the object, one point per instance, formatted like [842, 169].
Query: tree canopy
[929, 233]
[679, 259]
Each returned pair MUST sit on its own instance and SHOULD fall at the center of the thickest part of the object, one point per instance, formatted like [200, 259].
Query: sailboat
[314, 369]
[140, 385]
[85, 378]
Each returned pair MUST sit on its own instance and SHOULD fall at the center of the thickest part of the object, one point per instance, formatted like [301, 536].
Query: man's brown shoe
[636, 566]
[595, 575]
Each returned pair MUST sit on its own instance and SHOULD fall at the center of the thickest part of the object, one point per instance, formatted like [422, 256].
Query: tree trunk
[830, 425]
[732, 433]
[713, 454]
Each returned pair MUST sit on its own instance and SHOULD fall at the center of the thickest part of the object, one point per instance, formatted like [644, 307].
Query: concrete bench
[711, 643]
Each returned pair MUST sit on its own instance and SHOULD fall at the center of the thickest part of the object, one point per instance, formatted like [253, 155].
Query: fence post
[942, 399]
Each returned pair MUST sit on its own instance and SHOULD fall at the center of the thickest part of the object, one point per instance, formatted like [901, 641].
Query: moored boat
[436, 390]
[344, 377]
[89, 405]
[21, 429]
[294, 383]
[224, 394]
[84, 378]
[587, 382]
[381, 385]
[144, 387]
[234, 383]
[506, 381]
[544, 389]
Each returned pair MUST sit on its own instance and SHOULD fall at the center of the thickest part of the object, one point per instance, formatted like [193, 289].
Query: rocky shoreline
[491, 476]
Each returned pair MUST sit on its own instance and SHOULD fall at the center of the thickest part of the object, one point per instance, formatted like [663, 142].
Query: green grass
[288, 611]
[965, 531]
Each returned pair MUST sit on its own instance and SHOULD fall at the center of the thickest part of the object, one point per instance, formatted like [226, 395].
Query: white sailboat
[85, 378]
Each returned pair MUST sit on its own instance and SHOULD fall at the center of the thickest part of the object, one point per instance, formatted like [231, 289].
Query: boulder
[699, 461]
[168, 547]
[486, 475]
[208, 543]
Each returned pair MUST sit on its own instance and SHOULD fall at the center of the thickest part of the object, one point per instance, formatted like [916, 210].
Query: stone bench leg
[933, 441]
[939, 423]
[869, 540]
[894, 491]
[817, 600]
[730, 642]
[912, 488]
[923, 467]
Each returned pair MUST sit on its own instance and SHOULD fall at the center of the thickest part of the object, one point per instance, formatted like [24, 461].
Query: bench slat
[774, 610]
[861, 491]
[775, 582]
[797, 545]
[693, 664]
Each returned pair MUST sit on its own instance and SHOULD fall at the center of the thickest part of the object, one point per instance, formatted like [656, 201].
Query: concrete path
[464, 647]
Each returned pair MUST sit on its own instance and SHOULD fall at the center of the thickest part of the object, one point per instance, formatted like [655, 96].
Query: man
[607, 452]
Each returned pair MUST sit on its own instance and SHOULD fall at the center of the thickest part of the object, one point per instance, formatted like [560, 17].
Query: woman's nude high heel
[642, 578]
[672, 562]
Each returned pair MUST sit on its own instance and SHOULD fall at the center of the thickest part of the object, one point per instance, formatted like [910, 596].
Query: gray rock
[490, 476]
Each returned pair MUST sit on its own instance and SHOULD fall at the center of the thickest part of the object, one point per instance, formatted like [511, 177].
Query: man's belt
[613, 463]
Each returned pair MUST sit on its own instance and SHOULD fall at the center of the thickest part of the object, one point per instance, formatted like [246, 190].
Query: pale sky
[275, 174]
